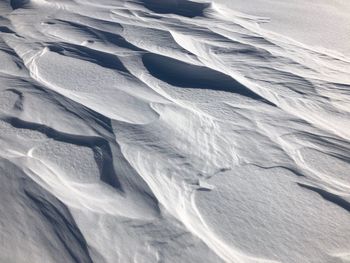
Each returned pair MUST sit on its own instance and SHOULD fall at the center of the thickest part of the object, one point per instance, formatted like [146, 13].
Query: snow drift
[168, 131]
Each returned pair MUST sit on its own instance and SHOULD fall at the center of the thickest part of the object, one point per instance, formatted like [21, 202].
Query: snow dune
[168, 131]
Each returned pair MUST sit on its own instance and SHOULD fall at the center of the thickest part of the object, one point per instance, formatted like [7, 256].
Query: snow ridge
[168, 131]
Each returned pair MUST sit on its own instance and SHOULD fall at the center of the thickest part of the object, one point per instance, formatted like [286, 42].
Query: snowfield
[171, 131]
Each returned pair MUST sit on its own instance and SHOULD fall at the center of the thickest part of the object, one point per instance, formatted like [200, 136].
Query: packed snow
[174, 131]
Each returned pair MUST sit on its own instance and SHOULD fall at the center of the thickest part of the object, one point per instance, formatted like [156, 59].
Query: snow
[174, 131]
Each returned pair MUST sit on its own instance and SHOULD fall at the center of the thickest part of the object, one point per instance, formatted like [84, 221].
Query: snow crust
[169, 131]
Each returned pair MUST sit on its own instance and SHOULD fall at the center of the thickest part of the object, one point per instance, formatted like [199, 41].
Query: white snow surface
[171, 131]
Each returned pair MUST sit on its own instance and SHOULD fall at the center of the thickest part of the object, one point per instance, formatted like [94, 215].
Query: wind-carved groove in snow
[84, 94]
[196, 132]
[204, 48]
[110, 200]
[175, 194]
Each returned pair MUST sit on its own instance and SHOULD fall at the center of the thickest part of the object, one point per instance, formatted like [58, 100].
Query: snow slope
[319, 23]
[168, 131]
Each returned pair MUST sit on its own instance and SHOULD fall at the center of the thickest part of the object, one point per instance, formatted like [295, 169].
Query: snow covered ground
[174, 131]
[319, 23]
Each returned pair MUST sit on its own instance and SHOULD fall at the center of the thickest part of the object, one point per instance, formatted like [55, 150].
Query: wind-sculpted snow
[179, 7]
[168, 131]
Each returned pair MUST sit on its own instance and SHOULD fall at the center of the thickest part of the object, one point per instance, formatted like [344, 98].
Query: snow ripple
[168, 131]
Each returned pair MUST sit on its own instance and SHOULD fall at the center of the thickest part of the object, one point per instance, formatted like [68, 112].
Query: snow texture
[169, 131]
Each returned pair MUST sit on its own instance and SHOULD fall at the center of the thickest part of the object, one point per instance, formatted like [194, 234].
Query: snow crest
[168, 131]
